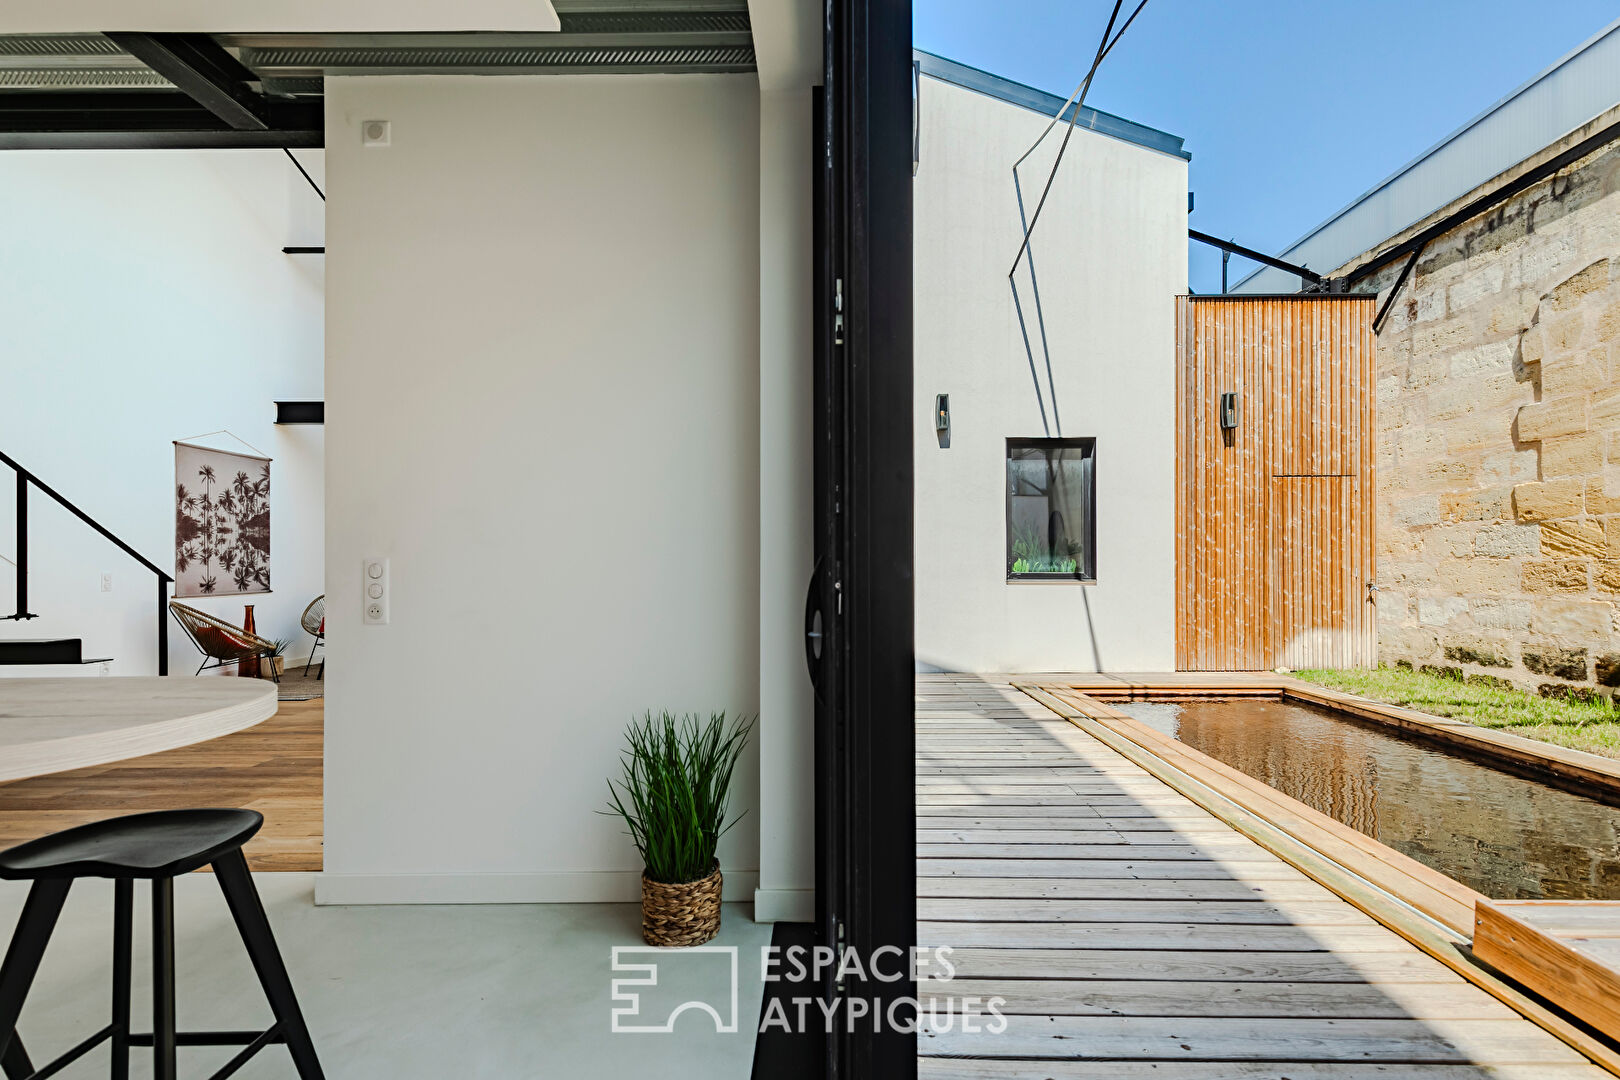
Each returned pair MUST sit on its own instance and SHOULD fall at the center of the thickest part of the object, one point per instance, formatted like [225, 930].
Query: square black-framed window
[1052, 509]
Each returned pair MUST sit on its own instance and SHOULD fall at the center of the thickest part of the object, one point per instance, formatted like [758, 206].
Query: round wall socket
[374, 133]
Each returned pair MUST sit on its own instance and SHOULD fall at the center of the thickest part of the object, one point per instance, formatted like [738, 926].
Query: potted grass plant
[273, 663]
[673, 797]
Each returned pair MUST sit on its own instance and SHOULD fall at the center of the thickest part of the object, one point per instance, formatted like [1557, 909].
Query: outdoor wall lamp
[1229, 410]
[942, 419]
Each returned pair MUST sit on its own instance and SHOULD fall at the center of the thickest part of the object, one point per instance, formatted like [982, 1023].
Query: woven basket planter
[678, 915]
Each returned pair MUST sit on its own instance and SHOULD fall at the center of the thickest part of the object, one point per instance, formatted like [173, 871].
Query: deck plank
[1009, 826]
[1330, 912]
[1122, 924]
[1144, 867]
[1234, 937]
[935, 1068]
[1238, 999]
[1200, 965]
[1132, 889]
[1007, 835]
[1434, 1040]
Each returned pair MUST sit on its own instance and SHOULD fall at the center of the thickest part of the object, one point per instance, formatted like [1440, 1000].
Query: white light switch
[375, 583]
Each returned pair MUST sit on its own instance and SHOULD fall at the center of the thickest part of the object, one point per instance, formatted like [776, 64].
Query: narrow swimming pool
[1506, 836]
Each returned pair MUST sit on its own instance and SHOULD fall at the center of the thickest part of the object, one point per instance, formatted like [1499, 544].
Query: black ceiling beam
[179, 139]
[205, 72]
[82, 110]
[143, 119]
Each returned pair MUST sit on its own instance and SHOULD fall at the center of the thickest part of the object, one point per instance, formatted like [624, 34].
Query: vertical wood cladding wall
[1274, 523]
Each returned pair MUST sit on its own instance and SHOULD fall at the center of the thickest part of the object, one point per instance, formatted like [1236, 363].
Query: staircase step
[41, 651]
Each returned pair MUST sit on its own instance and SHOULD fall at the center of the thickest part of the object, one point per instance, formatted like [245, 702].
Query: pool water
[1505, 836]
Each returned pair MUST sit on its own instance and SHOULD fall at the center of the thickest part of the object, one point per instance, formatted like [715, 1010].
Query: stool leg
[163, 1040]
[123, 939]
[243, 899]
[17, 973]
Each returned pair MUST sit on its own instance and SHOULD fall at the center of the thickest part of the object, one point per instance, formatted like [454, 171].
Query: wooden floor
[273, 767]
[1132, 934]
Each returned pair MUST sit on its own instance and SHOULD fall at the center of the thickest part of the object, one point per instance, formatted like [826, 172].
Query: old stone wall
[1498, 467]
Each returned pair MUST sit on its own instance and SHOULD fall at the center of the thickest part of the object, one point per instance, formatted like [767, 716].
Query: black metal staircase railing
[164, 580]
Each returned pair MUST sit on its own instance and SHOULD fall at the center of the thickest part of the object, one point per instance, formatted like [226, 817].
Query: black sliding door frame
[861, 597]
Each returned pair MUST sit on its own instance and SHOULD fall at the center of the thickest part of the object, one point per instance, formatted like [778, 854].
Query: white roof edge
[1472, 123]
[277, 16]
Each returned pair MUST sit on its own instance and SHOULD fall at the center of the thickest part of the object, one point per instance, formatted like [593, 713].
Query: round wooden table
[52, 725]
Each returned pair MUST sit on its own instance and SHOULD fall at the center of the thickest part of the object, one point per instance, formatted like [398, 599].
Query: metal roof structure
[260, 89]
[1569, 93]
[1040, 101]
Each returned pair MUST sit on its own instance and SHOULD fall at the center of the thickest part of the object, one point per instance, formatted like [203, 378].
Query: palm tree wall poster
[221, 522]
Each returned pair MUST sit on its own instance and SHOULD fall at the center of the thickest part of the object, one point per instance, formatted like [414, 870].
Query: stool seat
[161, 844]
[158, 846]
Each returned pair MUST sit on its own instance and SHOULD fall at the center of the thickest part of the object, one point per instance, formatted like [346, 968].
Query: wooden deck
[274, 768]
[1133, 934]
[1568, 951]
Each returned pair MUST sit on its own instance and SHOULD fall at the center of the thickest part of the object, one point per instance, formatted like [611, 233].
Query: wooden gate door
[1274, 538]
[1321, 614]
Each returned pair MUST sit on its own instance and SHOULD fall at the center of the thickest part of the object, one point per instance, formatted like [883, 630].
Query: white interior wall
[787, 43]
[543, 396]
[1110, 254]
[787, 870]
[147, 299]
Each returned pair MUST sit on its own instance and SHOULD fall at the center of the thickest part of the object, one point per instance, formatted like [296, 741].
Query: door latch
[838, 311]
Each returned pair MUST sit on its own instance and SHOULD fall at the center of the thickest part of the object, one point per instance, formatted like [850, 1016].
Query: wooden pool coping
[1424, 906]
[1588, 773]
[1432, 893]
[1565, 950]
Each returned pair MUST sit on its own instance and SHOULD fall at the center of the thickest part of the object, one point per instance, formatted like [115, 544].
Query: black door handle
[813, 632]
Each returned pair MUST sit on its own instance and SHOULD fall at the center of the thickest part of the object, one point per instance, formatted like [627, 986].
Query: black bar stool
[157, 847]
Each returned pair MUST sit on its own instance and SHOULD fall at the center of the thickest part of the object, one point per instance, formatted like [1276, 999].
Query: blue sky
[1290, 110]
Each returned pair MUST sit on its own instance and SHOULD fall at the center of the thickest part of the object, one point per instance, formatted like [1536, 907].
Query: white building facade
[1082, 350]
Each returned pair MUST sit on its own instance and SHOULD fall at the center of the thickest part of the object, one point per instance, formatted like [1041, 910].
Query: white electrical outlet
[375, 133]
[374, 592]
[106, 583]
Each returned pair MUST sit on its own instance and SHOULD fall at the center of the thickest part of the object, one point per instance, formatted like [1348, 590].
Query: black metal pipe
[1389, 302]
[22, 547]
[84, 517]
[163, 626]
[24, 478]
[1258, 256]
[1484, 203]
[300, 167]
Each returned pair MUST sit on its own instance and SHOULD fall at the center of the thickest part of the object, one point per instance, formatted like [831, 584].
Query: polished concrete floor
[504, 992]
